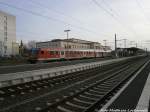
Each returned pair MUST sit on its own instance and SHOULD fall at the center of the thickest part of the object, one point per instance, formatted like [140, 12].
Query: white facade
[8, 45]
[72, 44]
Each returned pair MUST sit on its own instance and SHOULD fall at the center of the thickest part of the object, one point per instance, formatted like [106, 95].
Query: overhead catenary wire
[113, 14]
[59, 12]
[110, 8]
[28, 33]
[50, 18]
[142, 10]
[56, 11]
[23, 33]
[34, 35]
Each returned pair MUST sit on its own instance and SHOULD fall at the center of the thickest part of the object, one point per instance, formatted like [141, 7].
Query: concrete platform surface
[135, 94]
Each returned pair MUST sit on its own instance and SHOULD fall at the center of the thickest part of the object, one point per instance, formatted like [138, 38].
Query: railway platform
[8, 79]
[87, 87]
[134, 96]
[30, 67]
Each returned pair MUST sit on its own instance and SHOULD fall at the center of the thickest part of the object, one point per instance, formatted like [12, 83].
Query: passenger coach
[48, 54]
[61, 49]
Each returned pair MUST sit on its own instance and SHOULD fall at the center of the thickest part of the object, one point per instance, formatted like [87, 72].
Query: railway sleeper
[86, 97]
[96, 92]
[63, 109]
[82, 101]
[100, 89]
[76, 105]
[91, 94]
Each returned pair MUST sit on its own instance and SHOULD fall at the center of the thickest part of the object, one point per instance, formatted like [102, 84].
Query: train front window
[34, 51]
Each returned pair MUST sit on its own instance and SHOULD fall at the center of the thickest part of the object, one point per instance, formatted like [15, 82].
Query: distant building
[72, 43]
[131, 51]
[8, 45]
[31, 44]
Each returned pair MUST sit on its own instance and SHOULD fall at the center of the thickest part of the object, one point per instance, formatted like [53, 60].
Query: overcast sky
[94, 20]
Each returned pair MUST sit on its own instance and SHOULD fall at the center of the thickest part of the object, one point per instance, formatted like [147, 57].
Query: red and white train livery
[46, 54]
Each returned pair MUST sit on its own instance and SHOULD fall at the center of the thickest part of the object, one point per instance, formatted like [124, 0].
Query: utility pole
[116, 46]
[67, 31]
[125, 50]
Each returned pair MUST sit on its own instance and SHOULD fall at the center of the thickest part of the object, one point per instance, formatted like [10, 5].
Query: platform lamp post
[116, 53]
[67, 31]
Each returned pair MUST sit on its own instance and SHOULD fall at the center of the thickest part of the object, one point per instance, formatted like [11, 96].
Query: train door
[62, 54]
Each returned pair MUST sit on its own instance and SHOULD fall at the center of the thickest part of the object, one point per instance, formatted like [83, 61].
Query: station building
[72, 43]
[8, 45]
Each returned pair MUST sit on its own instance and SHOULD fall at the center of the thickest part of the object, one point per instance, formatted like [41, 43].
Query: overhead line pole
[116, 46]
[67, 31]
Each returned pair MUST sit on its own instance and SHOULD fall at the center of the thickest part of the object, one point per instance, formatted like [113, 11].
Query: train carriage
[48, 54]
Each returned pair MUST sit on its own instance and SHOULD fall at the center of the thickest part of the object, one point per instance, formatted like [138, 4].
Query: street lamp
[67, 31]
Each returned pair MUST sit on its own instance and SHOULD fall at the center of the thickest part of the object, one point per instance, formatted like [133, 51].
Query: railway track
[25, 91]
[72, 92]
[85, 99]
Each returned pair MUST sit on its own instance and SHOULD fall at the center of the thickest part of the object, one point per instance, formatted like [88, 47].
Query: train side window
[62, 52]
[56, 52]
[51, 52]
[42, 52]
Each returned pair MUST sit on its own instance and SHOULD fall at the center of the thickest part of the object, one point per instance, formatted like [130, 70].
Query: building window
[56, 52]
[62, 52]
[65, 46]
[5, 29]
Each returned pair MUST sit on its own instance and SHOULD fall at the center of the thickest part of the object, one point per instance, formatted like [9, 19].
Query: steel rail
[57, 104]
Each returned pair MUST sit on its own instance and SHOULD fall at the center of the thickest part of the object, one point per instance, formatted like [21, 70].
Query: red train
[47, 54]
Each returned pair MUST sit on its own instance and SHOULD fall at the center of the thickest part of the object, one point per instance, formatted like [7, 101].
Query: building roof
[74, 40]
